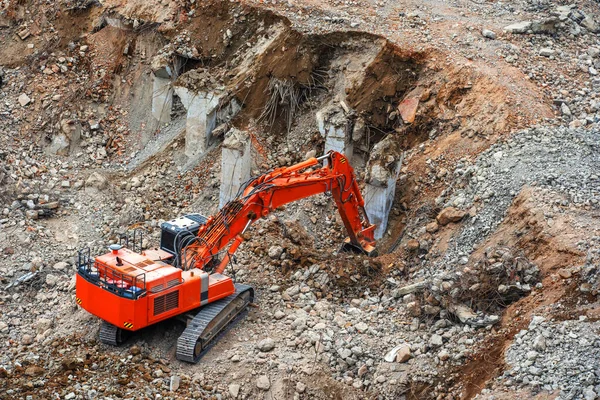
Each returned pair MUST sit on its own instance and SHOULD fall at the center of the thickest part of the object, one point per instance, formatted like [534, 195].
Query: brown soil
[550, 249]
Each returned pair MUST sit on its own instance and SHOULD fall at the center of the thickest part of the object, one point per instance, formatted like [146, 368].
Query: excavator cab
[178, 233]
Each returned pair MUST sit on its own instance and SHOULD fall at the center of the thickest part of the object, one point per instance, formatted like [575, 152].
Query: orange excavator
[131, 288]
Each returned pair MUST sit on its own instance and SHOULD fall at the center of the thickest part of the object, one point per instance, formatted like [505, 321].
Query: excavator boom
[268, 192]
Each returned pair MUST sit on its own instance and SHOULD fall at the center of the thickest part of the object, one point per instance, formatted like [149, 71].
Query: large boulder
[450, 214]
[96, 180]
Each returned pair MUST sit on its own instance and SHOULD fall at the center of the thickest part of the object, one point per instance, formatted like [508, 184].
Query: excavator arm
[266, 193]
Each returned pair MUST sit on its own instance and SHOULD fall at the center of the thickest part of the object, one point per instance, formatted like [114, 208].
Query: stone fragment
[415, 287]
[412, 245]
[362, 327]
[564, 273]
[279, 314]
[43, 324]
[275, 252]
[450, 214]
[71, 363]
[96, 180]
[53, 205]
[51, 280]
[399, 353]
[403, 354]
[408, 109]
[61, 265]
[27, 340]
[24, 100]
[266, 345]
[234, 390]
[34, 370]
[432, 227]
[362, 371]
[436, 340]
[263, 382]
[174, 384]
[443, 355]
[488, 34]
[32, 214]
[546, 52]
[462, 312]
[590, 24]
[519, 27]
[539, 343]
[300, 387]
[545, 26]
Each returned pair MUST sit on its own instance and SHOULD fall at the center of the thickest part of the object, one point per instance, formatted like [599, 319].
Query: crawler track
[110, 334]
[211, 322]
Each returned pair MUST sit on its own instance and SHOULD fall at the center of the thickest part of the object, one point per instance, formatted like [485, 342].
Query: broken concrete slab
[161, 66]
[208, 106]
[413, 288]
[334, 125]
[24, 99]
[24, 33]
[518, 27]
[236, 162]
[162, 100]
[382, 172]
[201, 118]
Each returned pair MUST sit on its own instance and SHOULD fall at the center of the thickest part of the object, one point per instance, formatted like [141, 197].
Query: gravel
[67, 183]
[564, 161]
[556, 356]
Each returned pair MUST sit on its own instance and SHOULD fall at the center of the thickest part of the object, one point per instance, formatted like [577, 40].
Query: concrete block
[162, 100]
[334, 126]
[383, 169]
[236, 163]
[201, 118]
[378, 204]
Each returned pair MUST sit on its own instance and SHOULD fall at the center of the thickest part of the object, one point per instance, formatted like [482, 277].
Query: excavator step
[211, 322]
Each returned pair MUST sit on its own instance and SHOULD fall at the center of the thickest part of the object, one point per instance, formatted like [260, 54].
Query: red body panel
[162, 291]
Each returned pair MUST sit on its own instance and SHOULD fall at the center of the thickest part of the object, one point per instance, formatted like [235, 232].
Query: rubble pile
[473, 294]
[534, 157]
[454, 154]
[556, 356]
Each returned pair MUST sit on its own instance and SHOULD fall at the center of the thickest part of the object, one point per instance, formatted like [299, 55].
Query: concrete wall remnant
[236, 162]
[201, 118]
[162, 90]
[162, 100]
[335, 127]
[207, 104]
[382, 172]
